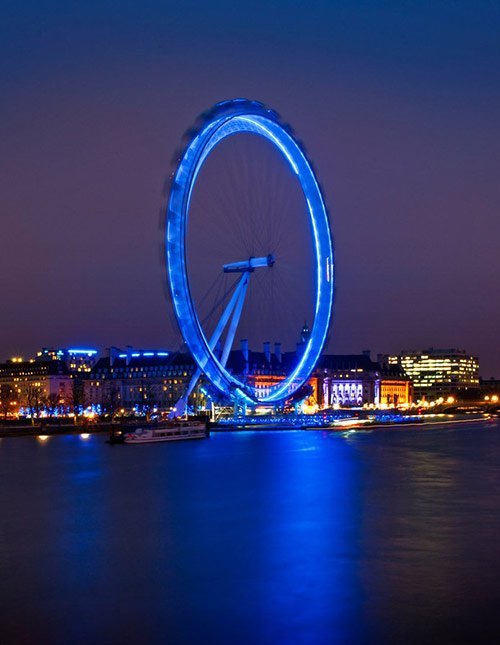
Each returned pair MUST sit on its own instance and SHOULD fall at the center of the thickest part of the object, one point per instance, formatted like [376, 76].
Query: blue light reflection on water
[251, 537]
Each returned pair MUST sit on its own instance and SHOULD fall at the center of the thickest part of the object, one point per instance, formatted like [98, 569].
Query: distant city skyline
[398, 110]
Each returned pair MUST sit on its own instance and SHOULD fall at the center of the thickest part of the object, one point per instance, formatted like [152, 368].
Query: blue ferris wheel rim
[225, 119]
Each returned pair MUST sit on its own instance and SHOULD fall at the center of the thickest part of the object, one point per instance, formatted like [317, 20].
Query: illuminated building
[348, 380]
[438, 372]
[351, 380]
[34, 387]
[354, 380]
[139, 379]
[395, 391]
[46, 385]
[78, 359]
[261, 369]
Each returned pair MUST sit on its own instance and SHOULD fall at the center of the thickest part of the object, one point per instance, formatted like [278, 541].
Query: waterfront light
[42, 437]
[84, 435]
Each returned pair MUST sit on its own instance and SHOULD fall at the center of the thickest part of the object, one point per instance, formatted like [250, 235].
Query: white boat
[176, 430]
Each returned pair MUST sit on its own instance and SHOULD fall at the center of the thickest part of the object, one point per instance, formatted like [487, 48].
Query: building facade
[347, 380]
[395, 391]
[144, 380]
[79, 360]
[351, 380]
[139, 380]
[34, 388]
[438, 372]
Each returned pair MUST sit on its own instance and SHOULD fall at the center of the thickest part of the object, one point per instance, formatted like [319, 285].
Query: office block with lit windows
[438, 372]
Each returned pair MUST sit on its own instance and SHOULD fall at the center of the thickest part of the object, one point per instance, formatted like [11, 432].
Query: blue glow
[228, 118]
[89, 352]
[148, 354]
[277, 142]
[122, 355]
[136, 354]
[162, 353]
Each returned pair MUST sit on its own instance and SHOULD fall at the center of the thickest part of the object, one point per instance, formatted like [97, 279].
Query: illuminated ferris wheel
[211, 347]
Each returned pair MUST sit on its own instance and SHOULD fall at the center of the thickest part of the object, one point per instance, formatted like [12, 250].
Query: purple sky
[397, 103]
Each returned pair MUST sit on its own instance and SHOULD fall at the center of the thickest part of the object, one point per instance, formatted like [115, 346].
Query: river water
[388, 536]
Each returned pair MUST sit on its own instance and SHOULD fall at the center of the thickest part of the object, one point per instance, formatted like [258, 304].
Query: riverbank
[338, 425]
[347, 423]
[52, 430]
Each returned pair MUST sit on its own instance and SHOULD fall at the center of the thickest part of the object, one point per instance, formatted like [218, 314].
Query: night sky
[397, 103]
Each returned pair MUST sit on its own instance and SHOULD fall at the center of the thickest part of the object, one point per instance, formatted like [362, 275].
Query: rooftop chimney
[113, 354]
[267, 351]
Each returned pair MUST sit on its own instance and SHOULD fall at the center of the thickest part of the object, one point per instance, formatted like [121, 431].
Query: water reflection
[252, 537]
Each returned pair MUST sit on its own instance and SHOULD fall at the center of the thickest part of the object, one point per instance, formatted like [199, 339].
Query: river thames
[388, 536]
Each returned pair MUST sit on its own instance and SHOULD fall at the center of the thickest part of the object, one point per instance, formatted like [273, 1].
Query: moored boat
[174, 430]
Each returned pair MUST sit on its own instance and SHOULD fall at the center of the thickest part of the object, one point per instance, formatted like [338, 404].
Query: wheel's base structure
[228, 119]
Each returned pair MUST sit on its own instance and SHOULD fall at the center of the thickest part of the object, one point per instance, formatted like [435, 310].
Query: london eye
[240, 262]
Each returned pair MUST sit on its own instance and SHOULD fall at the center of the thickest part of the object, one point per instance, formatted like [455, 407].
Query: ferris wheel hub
[247, 266]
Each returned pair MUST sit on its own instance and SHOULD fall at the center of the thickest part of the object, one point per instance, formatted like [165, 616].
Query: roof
[35, 368]
[432, 351]
[338, 362]
[175, 360]
[257, 361]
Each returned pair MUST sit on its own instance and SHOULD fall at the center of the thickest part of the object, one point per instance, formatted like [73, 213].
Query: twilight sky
[397, 103]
